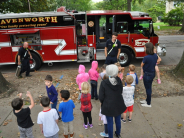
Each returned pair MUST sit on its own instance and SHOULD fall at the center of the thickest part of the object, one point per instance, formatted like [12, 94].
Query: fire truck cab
[74, 36]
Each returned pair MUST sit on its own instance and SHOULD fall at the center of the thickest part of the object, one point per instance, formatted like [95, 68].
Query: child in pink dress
[82, 76]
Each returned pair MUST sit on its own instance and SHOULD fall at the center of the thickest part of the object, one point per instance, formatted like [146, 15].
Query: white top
[48, 119]
[128, 93]
[103, 117]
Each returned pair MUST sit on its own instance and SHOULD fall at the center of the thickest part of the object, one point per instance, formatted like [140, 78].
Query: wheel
[125, 57]
[35, 63]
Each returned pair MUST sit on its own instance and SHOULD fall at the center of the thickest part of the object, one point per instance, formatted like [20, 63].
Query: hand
[28, 94]
[20, 95]
[19, 63]
[99, 118]
[51, 102]
[31, 57]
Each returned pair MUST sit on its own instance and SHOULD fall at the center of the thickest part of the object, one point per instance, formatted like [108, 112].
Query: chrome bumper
[161, 50]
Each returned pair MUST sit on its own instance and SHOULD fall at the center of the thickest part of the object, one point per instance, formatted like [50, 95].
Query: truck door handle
[132, 40]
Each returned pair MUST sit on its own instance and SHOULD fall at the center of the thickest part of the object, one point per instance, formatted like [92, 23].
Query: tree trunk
[129, 5]
[179, 70]
[4, 84]
[182, 29]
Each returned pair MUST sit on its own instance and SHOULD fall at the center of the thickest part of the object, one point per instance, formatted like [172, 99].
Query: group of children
[48, 118]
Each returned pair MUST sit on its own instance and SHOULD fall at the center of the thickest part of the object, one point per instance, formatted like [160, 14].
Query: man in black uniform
[112, 49]
[23, 58]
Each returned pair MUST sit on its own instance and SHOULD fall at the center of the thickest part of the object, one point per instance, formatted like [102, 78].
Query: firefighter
[24, 56]
[112, 49]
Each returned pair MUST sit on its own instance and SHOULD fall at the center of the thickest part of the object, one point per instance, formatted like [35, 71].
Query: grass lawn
[165, 26]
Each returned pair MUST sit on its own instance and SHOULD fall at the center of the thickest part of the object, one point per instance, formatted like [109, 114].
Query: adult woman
[110, 96]
[148, 64]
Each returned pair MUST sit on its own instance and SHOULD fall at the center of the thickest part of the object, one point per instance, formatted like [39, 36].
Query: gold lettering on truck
[20, 20]
[34, 19]
[41, 19]
[27, 19]
[47, 19]
[8, 20]
[3, 22]
[54, 19]
[14, 20]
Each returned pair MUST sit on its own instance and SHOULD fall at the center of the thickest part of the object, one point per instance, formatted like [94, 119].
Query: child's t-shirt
[24, 118]
[48, 119]
[52, 93]
[102, 75]
[128, 93]
[135, 82]
[67, 110]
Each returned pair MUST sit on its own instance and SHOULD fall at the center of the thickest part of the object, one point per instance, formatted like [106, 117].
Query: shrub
[174, 17]
[154, 18]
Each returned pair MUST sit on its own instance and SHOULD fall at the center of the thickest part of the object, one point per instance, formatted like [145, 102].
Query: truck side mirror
[150, 27]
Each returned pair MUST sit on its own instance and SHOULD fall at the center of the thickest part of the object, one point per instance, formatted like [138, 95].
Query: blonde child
[86, 105]
[128, 92]
[156, 68]
[120, 70]
[133, 74]
[103, 71]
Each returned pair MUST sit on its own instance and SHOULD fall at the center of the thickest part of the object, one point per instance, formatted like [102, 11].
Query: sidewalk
[158, 121]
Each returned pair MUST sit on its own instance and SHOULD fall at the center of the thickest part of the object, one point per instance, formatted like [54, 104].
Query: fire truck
[63, 35]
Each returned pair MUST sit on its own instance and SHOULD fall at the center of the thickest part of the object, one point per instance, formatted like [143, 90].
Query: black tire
[125, 57]
[36, 62]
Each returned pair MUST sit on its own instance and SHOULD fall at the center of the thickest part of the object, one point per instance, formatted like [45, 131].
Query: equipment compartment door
[5, 49]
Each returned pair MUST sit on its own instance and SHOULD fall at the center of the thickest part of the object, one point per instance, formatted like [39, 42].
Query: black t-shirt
[23, 53]
[24, 118]
[109, 45]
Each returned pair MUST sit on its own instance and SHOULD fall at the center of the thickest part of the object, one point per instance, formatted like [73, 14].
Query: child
[128, 92]
[52, 93]
[156, 68]
[103, 118]
[23, 116]
[94, 74]
[48, 119]
[133, 74]
[103, 71]
[120, 70]
[66, 108]
[86, 105]
[82, 76]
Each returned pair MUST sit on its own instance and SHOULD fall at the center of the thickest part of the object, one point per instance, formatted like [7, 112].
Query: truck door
[83, 53]
[5, 49]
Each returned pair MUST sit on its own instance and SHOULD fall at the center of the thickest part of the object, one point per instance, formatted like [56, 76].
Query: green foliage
[174, 17]
[18, 6]
[80, 5]
[154, 18]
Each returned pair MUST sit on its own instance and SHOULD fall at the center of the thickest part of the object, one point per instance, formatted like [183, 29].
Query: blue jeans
[54, 106]
[94, 89]
[110, 125]
[111, 60]
[148, 79]
[105, 128]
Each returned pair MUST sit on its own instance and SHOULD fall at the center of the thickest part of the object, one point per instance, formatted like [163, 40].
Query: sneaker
[117, 136]
[146, 105]
[103, 134]
[90, 125]
[85, 126]
[124, 121]
[143, 102]
[141, 77]
[129, 120]
[158, 81]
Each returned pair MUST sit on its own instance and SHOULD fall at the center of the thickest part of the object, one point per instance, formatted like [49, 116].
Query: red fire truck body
[74, 36]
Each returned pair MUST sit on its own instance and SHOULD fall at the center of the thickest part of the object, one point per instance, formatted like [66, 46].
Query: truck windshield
[142, 27]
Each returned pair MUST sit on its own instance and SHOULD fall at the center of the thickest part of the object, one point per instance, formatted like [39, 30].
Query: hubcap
[32, 63]
[123, 58]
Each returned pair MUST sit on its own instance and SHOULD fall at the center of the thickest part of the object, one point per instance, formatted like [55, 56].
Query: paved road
[174, 44]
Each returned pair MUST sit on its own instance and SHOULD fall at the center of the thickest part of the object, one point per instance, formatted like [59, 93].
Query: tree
[18, 6]
[5, 86]
[179, 70]
[181, 2]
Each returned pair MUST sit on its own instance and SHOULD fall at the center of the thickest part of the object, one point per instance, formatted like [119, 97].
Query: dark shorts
[111, 60]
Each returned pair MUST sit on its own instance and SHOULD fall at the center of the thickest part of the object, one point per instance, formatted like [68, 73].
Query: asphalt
[159, 121]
